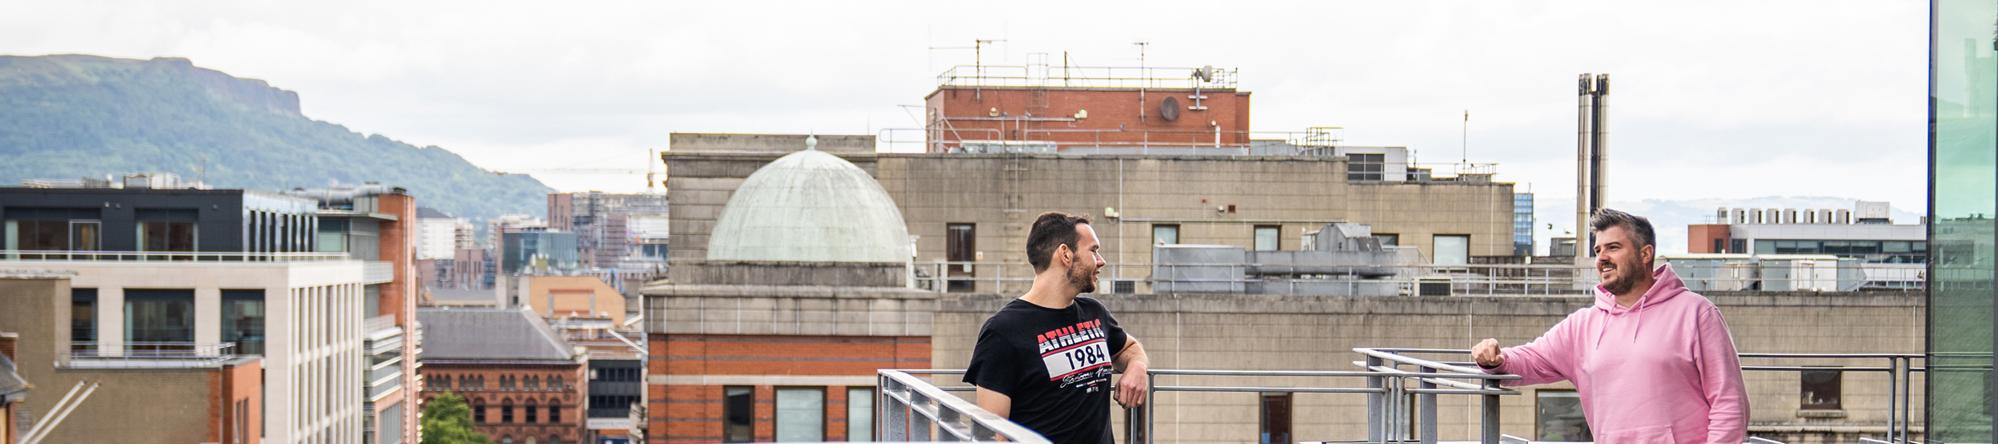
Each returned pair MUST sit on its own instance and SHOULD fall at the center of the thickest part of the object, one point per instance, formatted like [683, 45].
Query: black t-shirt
[1055, 364]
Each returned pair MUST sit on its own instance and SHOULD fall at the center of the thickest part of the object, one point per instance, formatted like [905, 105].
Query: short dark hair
[1638, 225]
[1051, 229]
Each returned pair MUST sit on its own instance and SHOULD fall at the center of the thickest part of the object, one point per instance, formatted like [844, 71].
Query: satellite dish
[1169, 109]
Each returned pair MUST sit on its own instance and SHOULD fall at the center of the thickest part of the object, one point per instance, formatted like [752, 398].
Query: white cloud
[1711, 98]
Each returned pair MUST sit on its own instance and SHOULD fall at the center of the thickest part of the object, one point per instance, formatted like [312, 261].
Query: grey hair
[1638, 225]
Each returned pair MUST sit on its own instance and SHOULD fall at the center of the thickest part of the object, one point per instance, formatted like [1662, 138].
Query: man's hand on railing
[1486, 354]
[1132, 386]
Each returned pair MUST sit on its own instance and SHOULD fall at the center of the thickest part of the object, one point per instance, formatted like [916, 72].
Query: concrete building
[797, 298]
[436, 234]
[145, 392]
[1888, 255]
[524, 383]
[1058, 106]
[1274, 332]
[580, 297]
[607, 224]
[201, 269]
[379, 224]
[968, 211]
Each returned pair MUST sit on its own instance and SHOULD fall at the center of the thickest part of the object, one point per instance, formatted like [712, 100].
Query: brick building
[777, 332]
[1060, 107]
[524, 383]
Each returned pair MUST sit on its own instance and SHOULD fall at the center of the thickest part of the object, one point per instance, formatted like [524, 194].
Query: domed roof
[810, 206]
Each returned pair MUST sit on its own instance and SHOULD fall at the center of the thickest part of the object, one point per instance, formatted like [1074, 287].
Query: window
[1388, 239]
[533, 414]
[961, 248]
[83, 315]
[1820, 390]
[1275, 419]
[479, 412]
[1452, 249]
[1165, 234]
[243, 320]
[738, 408]
[1737, 245]
[42, 235]
[801, 414]
[1365, 167]
[159, 316]
[1720, 246]
[1268, 238]
[506, 412]
[166, 236]
[859, 414]
[533, 383]
[1558, 417]
[554, 412]
[83, 235]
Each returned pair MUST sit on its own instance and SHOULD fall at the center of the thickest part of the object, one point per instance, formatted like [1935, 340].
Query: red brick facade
[1700, 238]
[1115, 116]
[694, 413]
[237, 407]
[481, 386]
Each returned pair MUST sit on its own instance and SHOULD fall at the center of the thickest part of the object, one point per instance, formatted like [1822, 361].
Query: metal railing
[1413, 279]
[166, 256]
[149, 354]
[1085, 76]
[909, 409]
[1401, 392]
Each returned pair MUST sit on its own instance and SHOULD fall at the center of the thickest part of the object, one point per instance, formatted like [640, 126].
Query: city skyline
[1787, 98]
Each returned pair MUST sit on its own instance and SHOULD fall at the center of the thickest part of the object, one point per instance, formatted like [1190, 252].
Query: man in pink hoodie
[1653, 362]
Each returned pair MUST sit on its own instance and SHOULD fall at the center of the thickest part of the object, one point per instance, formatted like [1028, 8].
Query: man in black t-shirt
[1045, 359]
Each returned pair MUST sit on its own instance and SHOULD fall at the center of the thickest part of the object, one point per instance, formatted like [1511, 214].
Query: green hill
[71, 116]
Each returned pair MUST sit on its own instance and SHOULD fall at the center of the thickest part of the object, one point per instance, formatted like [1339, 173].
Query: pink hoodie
[1663, 372]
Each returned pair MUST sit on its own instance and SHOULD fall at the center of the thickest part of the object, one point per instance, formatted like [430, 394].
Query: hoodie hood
[1665, 285]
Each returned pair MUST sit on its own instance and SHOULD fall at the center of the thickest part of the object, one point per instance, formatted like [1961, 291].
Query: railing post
[1426, 403]
[1489, 423]
[1151, 392]
[1893, 385]
[1375, 427]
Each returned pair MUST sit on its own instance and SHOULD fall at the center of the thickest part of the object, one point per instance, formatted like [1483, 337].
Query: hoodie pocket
[1658, 434]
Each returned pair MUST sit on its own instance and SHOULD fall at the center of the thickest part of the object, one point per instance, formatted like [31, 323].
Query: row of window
[801, 414]
[168, 316]
[87, 235]
[506, 382]
[528, 410]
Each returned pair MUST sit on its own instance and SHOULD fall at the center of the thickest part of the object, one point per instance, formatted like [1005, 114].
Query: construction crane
[650, 174]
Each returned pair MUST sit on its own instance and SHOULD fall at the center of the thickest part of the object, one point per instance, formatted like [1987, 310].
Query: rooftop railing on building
[149, 354]
[1495, 280]
[166, 256]
[1401, 388]
[1057, 76]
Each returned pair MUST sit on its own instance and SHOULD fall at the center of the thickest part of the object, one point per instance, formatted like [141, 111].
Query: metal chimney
[1584, 147]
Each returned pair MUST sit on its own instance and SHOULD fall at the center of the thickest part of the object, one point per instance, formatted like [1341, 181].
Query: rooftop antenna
[1143, 73]
[1465, 139]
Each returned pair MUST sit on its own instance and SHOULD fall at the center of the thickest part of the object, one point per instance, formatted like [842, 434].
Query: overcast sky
[1720, 99]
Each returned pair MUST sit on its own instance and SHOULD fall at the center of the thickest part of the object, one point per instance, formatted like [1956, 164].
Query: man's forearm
[1133, 354]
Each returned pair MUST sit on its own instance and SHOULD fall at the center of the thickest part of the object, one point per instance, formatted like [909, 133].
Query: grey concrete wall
[789, 273]
[1000, 195]
[1267, 332]
[152, 405]
[779, 310]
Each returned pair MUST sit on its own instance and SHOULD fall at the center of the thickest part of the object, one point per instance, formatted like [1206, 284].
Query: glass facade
[1963, 190]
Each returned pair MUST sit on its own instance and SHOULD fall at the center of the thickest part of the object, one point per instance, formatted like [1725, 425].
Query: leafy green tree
[447, 420]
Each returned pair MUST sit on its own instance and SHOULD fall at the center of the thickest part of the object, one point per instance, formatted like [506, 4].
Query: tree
[447, 420]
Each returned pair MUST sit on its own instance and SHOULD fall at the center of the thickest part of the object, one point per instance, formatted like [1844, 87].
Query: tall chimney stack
[1584, 146]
